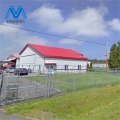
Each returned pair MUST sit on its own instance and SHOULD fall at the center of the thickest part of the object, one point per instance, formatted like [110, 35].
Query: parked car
[20, 71]
[10, 70]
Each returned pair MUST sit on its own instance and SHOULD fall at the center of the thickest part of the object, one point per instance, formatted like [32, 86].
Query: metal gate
[18, 89]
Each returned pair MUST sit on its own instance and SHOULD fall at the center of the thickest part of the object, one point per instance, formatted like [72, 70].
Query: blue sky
[96, 21]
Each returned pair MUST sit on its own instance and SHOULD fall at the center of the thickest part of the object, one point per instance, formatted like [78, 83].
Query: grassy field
[94, 104]
[80, 81]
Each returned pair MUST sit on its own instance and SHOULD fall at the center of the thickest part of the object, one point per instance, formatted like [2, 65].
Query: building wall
[17, 62]
[30, 58]
[99, 65]
[72, 64]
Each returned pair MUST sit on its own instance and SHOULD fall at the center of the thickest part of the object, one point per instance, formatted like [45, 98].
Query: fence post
[49, 83]
[106, 79]
[94, 80]
[87, 77]
[53, 84]
[46, 86]
[1, 84]
[79, 81]
[74, 82]
[36, 85]
[117, 77]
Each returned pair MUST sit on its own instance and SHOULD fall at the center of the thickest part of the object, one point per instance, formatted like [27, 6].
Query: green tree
[112, 62]
[87, 66]
[1, 61]
[90, 65]
[118, 56]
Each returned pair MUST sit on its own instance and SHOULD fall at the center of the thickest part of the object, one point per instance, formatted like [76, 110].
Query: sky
[95, 21]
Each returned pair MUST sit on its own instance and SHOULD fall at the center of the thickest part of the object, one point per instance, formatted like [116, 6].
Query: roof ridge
[55, 52]
[53, 47]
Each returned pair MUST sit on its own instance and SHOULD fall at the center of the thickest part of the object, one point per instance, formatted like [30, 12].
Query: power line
[97, 54]
[97, 57]
[51, 34]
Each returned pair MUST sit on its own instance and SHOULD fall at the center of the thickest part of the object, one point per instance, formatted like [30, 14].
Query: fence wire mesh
[54, 82]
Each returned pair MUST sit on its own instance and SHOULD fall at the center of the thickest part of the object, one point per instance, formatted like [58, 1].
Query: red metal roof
[14, 55]
[54, 52]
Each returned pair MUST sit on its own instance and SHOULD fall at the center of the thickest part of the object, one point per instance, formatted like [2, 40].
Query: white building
[40, 58]
[103, 65]
[11, 60]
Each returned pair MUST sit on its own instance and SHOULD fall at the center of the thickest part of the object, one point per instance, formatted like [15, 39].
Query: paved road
[3, 116]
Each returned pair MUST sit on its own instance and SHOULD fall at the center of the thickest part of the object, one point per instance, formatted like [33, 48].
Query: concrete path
[3, 116]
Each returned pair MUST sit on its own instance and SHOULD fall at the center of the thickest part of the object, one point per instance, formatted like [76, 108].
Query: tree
[97, 61]
[90, 65]
[118, 56]
[87, 66]
[112, 62]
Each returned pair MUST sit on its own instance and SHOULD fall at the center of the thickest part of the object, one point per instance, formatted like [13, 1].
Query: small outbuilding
[97, 65]
[11, 60]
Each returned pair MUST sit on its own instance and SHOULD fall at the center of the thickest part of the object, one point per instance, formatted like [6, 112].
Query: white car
[10, 70]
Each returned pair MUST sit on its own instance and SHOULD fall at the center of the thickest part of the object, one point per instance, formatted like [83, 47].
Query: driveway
[3, 116]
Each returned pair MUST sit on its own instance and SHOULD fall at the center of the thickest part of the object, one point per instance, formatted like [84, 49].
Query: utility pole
[106, 54]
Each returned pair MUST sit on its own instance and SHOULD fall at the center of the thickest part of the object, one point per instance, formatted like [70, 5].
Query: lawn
[94, 104]
[71, 82]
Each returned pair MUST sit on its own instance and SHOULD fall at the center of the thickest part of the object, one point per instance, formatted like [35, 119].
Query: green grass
[83, 81]
[94, 104]
[100, 69]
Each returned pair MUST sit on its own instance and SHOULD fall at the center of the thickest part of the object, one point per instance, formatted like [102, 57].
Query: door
[50, 68]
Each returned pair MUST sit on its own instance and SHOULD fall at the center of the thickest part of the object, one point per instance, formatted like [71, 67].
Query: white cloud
[19, 36]
[70, 41]
[87, 22]
[114, 24]
[11, 31]
[33, 40]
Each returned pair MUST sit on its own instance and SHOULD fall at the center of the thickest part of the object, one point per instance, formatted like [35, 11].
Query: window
[51, 67]
[66, 67]
[24, 69]
[79, 67]
[47, 67]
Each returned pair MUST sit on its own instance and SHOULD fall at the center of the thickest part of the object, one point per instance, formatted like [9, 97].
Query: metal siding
[72, 64]
[32, 58]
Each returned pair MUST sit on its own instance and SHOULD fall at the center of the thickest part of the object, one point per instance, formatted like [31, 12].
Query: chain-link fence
[53, 82]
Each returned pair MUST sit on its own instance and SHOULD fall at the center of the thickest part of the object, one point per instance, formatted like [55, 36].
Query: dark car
[21, 71]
